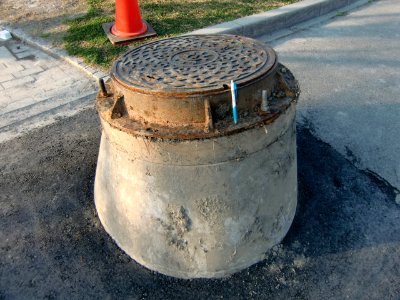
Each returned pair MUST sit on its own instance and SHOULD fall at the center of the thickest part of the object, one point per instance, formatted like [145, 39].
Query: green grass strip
[85, 36]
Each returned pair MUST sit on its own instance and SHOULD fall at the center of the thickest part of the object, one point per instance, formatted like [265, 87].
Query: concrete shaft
[198, 208]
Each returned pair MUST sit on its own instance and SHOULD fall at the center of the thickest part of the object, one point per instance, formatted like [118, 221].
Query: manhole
[180, 186]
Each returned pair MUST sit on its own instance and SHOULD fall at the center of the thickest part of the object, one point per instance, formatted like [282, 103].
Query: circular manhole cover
[193, 64]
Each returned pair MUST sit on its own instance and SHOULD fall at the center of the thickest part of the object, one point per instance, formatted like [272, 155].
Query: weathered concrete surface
[37, 89]
[199, 208]
[344, 241]
[349, 73]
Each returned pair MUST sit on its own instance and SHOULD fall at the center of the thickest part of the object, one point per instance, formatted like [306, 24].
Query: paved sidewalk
[37, 89]
[349, 74]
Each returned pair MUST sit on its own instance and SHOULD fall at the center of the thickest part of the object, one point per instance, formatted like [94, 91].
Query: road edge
[282, 18]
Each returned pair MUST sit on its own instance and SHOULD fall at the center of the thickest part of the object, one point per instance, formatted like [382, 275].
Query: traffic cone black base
[116, 40]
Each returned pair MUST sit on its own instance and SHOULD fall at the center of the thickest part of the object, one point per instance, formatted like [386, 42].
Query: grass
[341, 13]
[85, 36]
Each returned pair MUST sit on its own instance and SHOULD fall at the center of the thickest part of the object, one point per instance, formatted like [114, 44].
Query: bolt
[102, 87]
[264, 101]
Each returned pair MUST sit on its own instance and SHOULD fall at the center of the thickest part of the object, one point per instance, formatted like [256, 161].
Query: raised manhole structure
[179, 186]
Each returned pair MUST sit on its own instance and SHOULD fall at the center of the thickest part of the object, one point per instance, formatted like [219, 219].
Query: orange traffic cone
[128, 23]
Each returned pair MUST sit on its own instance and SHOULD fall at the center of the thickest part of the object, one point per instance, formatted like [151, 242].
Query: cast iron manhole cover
[193, 64]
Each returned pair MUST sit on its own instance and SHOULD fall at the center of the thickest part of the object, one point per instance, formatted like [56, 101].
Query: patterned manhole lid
[193, 64]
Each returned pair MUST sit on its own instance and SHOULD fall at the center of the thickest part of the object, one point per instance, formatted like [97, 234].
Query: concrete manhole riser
[192, 200]
[207, 220]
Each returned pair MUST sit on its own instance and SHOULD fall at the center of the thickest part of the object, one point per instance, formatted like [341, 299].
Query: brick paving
[33, 85]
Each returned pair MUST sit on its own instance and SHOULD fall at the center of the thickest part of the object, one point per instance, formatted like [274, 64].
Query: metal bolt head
[264, 101]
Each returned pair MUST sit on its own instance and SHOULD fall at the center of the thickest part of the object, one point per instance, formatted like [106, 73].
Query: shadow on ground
[344, 242]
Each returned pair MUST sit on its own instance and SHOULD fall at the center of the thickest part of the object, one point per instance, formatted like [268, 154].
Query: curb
[19, 115]
[262, 24]
[45, 118]
[285, 17]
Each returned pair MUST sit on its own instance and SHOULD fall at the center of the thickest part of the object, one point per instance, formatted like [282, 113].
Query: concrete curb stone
[281, 18]
[261, 24]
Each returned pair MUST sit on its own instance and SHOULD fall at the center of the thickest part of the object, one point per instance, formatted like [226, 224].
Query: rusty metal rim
[199, 135]
[269, 66]
[153, 131]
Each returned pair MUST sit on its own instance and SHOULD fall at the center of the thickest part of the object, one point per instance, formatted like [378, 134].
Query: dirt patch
[43, 18]
[344, 241]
